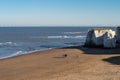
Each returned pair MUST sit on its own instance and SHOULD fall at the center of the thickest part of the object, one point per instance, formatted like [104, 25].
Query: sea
[15, 41]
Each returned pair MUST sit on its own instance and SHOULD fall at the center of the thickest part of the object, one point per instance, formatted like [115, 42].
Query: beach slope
[80, 64]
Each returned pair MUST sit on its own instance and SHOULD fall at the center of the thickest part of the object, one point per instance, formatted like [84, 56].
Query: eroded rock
[101, 37]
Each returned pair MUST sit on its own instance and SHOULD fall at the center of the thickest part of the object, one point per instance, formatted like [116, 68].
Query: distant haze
[59, 12]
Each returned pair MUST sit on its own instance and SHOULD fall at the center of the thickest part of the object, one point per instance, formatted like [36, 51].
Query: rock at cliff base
[109, 40]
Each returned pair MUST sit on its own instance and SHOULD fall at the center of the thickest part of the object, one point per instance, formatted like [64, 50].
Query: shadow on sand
[113, 60]
[96, 51]
[61, 57]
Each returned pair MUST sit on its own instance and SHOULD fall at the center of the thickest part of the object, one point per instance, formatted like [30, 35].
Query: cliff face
[109, 40]
[101, 38]
[118, 34]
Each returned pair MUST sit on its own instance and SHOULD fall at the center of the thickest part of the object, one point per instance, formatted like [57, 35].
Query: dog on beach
[65, 55]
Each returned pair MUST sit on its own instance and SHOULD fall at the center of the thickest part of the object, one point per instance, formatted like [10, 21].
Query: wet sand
[80, 64]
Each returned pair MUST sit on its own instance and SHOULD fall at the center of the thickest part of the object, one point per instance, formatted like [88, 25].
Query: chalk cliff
[101, 37]
[118, 34]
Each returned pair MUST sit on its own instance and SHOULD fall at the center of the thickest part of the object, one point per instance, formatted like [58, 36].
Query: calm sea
[16, 41]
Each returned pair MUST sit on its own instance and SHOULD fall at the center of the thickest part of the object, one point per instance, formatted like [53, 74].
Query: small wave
[35, 37]
[18, 53]
[22, 52]
[8, 44]
[73, 32]
[72, 37]
[58, 37]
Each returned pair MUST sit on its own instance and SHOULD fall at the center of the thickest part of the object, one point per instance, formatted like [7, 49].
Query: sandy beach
[80, 64]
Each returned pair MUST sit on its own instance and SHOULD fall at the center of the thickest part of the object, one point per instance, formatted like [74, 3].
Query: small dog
[65, 55]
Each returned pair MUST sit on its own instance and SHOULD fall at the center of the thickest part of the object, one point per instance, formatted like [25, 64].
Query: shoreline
[24, 53]
[80, 64]
[35, 51]
[85, 50]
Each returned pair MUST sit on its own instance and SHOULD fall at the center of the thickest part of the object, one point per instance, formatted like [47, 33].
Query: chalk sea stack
[101, 37]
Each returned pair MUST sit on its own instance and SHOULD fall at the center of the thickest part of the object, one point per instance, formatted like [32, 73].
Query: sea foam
[8, 44]
[65, 36]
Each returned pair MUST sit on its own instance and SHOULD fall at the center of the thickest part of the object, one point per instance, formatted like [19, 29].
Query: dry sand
[80, 64]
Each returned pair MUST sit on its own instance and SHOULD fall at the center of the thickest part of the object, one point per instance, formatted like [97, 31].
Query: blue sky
[59, 12]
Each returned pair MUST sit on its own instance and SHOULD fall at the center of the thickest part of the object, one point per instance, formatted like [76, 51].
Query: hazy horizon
[59, 13]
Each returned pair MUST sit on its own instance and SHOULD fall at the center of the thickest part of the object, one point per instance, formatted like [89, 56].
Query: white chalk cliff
[109, 40]
[101, 37]
[118, 34]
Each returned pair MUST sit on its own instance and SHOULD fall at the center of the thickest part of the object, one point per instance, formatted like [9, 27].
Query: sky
[59, 12]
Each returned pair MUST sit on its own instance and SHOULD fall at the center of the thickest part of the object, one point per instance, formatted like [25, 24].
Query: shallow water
[23, 40]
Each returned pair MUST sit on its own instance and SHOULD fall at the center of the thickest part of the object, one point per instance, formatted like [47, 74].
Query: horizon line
[59, 26]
